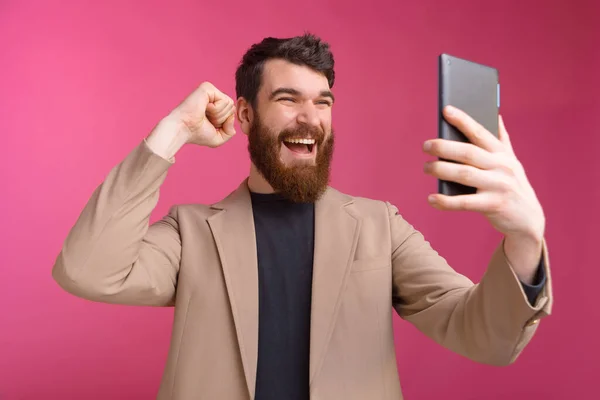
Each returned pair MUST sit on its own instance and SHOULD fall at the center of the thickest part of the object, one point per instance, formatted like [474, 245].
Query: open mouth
[300, 146]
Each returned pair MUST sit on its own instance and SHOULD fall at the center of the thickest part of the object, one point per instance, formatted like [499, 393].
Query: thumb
[503, 134]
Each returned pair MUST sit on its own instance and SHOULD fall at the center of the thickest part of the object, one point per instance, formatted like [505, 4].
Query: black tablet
[473, 88]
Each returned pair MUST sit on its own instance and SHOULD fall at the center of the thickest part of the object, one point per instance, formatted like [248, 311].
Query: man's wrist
[523, 253]
[168, 137]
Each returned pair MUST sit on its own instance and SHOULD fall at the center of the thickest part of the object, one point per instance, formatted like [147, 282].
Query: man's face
[291, 138]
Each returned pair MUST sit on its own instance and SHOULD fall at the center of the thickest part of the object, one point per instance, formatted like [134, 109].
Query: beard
[300, 182]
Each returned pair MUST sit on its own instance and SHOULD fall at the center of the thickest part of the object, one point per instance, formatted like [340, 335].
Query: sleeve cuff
[532, 291]
[150, 149]
[501, 276]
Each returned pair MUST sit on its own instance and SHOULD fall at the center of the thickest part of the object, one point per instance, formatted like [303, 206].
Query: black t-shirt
[285, 246]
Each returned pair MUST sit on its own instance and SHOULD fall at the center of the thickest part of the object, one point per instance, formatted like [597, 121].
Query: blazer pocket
[369, 264]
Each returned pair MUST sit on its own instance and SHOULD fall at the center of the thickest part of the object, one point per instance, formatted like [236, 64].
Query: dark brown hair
[307, 50]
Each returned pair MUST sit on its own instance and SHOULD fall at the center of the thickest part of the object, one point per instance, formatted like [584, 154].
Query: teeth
[301, 141]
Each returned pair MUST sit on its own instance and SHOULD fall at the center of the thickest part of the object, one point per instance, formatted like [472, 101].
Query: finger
[222, 104]
[503, 135]
[215, 96]
[472, 129]
[220, 112]
[221, 117]
[465, 153]
[213, 93]
[479, 202]
[228, 129]
[227, 110]
[463, 174]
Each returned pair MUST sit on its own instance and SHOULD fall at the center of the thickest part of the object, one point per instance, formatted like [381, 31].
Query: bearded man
[285, 289]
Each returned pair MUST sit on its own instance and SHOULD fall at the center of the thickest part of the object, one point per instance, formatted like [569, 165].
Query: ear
[244, 114]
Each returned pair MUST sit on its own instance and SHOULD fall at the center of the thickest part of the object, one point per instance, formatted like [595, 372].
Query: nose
[308, 115]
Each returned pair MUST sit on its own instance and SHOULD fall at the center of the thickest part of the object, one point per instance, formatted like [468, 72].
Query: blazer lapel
[336, 235]
[234, 235]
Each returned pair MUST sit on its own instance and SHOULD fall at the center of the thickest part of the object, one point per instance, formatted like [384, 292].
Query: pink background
[81, 85]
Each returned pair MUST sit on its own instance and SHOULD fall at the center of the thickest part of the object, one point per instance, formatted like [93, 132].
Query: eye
[286, 99]
[324, 102]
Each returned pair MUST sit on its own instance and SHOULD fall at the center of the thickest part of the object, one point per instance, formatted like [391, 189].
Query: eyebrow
[294, 92]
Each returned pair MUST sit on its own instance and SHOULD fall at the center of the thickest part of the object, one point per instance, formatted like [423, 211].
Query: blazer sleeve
[489, 322]
[111, 254]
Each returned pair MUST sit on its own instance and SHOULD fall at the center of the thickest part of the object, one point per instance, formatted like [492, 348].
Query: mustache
[304, 132]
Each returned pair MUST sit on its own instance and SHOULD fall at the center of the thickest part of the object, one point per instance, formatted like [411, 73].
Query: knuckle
[478, 132]
[511, 166]
[465, 174]
[505, 185]
[467, 155]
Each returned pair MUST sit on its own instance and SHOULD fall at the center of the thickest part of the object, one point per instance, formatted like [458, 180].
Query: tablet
[473, 88]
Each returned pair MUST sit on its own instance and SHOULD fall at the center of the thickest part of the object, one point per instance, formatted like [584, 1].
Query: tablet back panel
[473, 88]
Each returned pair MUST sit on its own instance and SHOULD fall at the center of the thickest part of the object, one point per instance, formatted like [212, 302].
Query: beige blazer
[367, 261]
